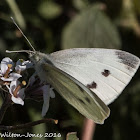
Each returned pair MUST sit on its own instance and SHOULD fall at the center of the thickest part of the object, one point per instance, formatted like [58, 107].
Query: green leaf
[137, 6]
[49, 9]
[80, 4]
[128, 16]
[72, 136]
[91, 29]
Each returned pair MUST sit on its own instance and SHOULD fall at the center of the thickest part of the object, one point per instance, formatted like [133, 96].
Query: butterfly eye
[35, 58]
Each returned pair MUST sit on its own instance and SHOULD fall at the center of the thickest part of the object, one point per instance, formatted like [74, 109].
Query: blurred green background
[52, 25]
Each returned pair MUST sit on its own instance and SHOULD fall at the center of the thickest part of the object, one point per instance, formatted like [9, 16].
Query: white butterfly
[105, 71]
[88, 78]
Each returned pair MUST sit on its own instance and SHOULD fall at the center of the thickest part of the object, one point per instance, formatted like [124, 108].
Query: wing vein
[93, 62]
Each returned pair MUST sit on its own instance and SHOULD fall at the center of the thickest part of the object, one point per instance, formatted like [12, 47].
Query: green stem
[26, 125]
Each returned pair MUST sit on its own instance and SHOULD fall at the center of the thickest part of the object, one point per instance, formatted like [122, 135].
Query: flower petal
[46, 90]
[20, 68]
[1, 73]
[15, 76]
[19, 62]
[46, 98]
[13, 85]
[52, 94]
[28, 64]
[32, 79]
[45, 107]
[5, 61]
[4, 68]
[17, 100]
[22, 65]
[21, 93]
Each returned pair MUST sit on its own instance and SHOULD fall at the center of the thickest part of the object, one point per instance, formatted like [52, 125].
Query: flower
[12, 77]
[6, 67]
[36, 89]
[17, 92]
[21, 65]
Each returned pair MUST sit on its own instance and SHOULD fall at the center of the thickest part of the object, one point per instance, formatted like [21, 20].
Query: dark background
[52, 25]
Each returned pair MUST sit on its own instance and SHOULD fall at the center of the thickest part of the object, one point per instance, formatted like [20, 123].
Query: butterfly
[88, 78]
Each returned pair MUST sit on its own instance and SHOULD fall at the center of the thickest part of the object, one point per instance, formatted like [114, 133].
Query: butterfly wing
[105, 71]
[79, 96]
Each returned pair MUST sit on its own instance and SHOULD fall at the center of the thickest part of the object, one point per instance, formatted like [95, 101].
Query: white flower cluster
[9, 77]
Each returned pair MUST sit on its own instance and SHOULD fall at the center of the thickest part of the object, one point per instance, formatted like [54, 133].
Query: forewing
[105, 71]
[79, 96]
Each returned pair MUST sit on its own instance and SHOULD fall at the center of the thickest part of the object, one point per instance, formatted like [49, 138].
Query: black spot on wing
[81, 101]
[78, 99]
[92, 85]
[106, 73]
[129, 60]
[87, 99]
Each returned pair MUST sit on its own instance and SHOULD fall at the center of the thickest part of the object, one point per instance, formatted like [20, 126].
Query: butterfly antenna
[26, 51]
[23, 34]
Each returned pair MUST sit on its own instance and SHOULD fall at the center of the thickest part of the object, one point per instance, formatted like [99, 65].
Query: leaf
[72, 136]
[128, 17]
[91, 29]
[49, 9]
[80, 4]
[137, 6]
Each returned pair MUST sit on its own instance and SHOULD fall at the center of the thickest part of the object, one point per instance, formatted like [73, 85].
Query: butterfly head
[34, 56]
